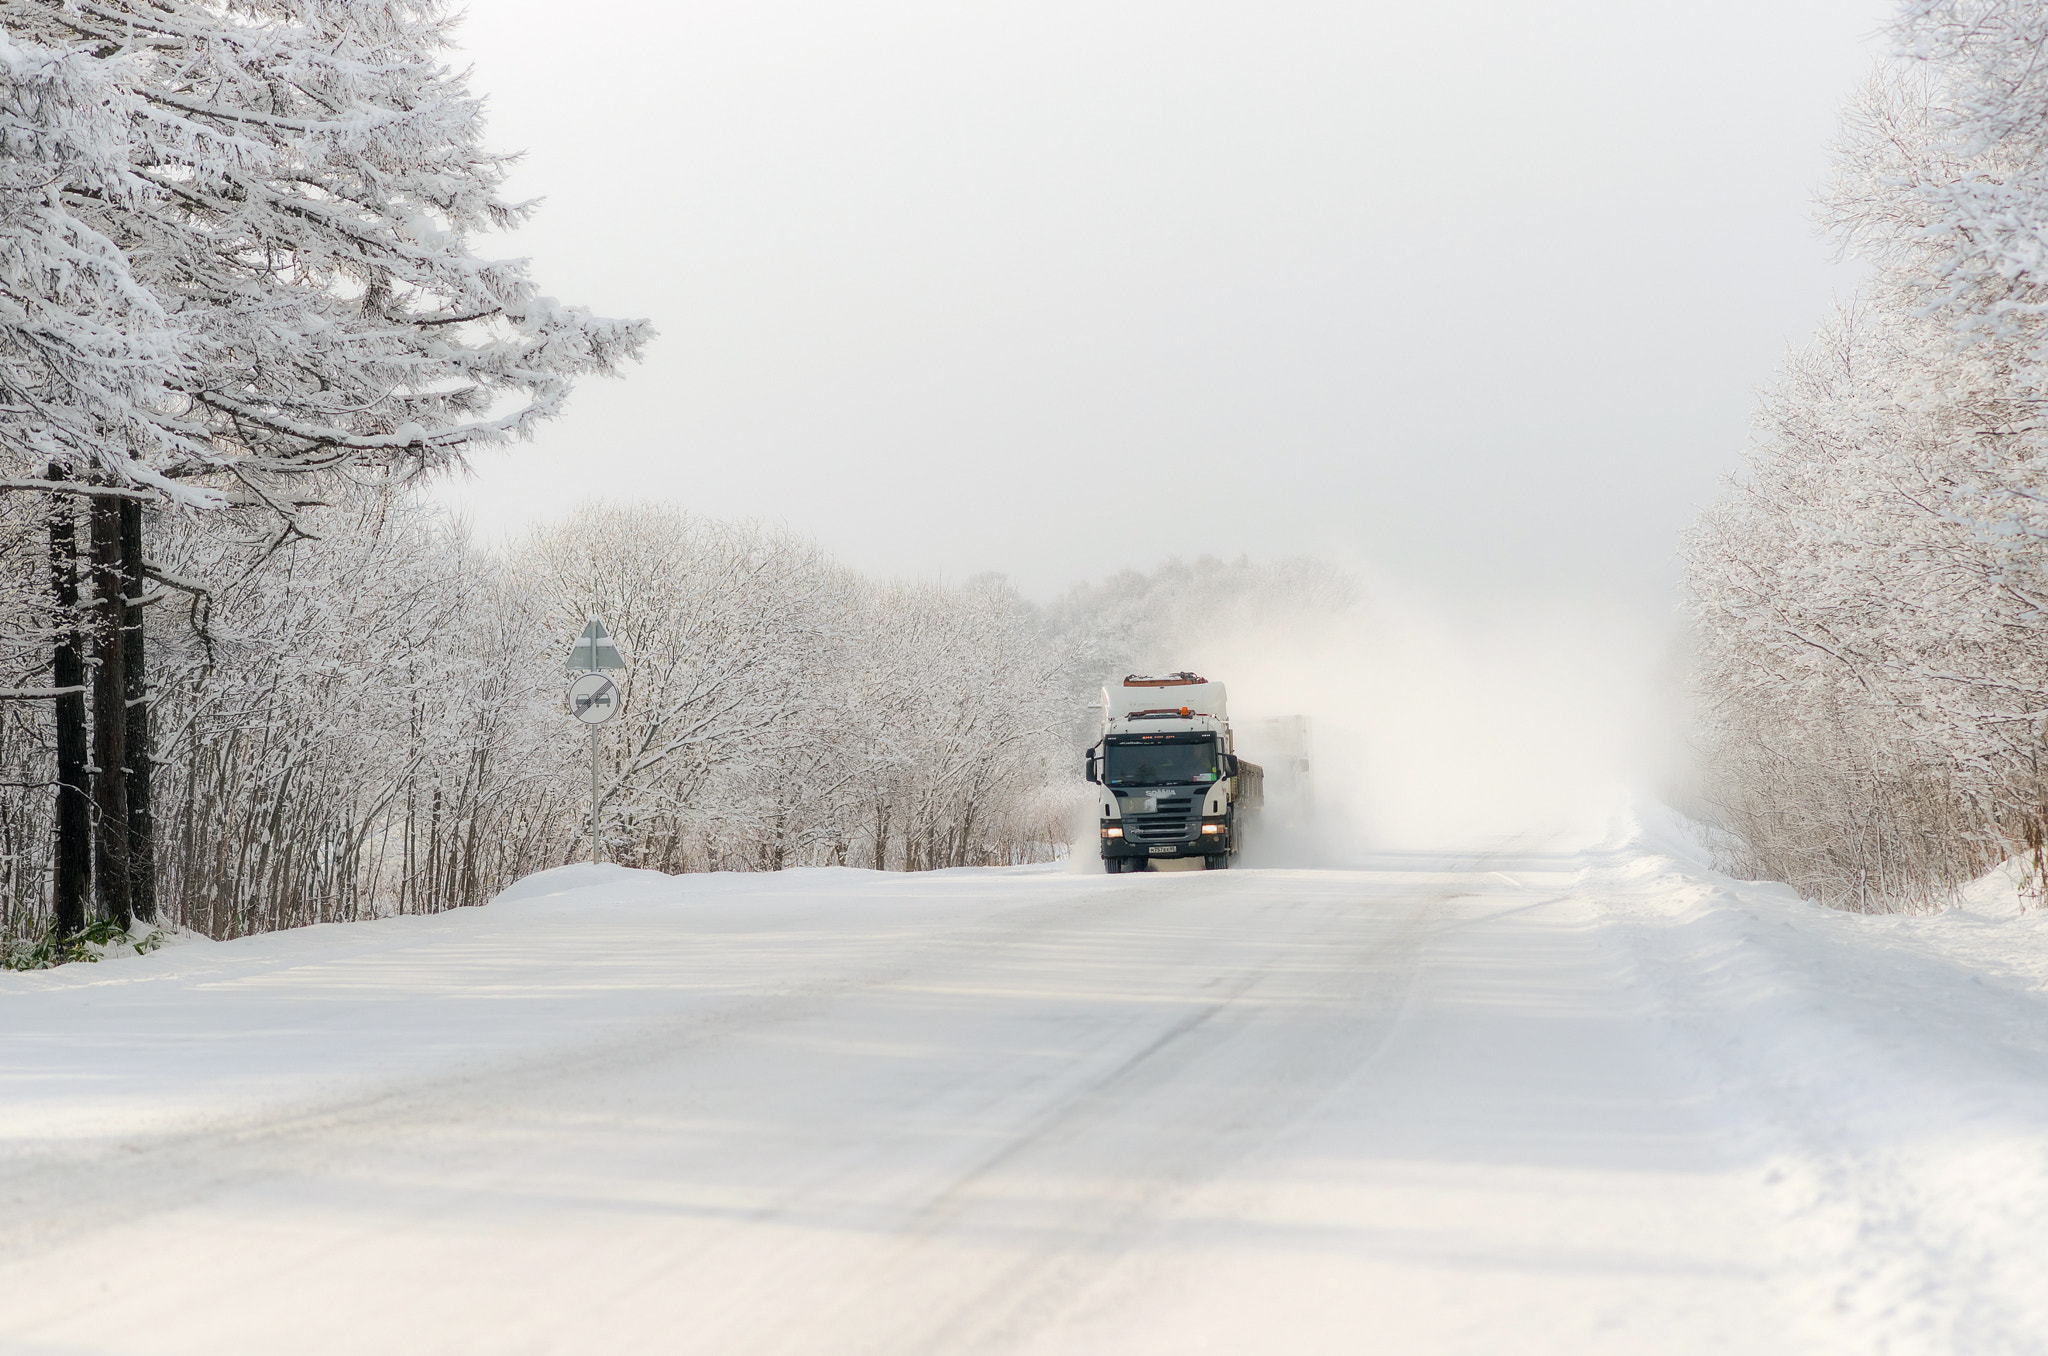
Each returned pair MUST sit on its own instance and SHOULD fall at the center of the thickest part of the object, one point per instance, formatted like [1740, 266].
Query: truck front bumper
[1197, 844]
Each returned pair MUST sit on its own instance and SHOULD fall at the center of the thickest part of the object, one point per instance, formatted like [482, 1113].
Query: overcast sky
[1476, 291]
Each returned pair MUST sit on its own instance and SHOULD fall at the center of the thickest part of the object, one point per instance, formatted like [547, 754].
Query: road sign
[594, 698]
[594, 651]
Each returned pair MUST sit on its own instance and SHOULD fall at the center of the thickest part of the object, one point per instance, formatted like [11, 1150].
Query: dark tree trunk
[73, 866]
[109, 717]
[141, 828]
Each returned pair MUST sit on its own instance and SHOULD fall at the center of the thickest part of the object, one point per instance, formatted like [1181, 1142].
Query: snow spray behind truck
[1172, 784]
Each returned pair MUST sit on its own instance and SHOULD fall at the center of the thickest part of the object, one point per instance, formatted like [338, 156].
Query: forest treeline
[1870, 597]
[369, 720]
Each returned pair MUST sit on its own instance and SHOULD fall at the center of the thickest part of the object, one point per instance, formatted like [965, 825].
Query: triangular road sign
[594, 651]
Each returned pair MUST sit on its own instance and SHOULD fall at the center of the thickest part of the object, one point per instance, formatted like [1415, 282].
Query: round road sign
[594, 698]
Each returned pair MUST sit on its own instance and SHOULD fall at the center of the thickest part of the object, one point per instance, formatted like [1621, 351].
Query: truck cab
[1171, 784]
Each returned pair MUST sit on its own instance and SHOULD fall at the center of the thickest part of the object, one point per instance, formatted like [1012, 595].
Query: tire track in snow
[52, 1198]
[1138, 1126]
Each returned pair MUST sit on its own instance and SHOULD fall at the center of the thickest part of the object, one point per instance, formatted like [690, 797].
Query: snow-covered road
[1523, 1101]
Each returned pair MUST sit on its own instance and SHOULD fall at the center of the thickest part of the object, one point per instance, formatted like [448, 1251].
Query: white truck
[1172, 785]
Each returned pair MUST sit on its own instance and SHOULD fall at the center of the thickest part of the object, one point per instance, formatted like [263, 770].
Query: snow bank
[1893, 1069]
[218, 1032]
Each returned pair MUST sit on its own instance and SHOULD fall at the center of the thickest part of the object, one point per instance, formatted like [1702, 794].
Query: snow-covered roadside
[211, 1034]
[1540, 1099]
[1892, 1072]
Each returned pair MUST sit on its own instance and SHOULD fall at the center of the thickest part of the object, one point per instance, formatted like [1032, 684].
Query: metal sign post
[594, 698]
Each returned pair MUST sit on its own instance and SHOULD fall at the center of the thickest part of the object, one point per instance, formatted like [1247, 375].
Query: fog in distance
[1474, 292]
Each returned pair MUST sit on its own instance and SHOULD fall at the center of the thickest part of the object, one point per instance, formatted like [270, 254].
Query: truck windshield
[1160, 764]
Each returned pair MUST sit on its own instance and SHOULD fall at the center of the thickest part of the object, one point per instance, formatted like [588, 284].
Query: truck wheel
[1217, 862]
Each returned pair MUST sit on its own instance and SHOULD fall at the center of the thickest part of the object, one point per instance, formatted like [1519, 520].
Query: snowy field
[1558, 1099]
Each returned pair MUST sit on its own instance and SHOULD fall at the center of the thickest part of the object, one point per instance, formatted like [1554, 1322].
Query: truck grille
[1174, 819]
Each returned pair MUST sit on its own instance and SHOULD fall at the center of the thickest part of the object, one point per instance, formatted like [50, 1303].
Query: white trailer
[1282, 745]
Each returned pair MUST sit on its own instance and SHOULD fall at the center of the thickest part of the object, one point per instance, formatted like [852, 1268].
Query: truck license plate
[1162, 850]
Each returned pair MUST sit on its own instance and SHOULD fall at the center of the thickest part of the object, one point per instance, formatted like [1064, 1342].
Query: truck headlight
[1214, 828]
[1112, 833]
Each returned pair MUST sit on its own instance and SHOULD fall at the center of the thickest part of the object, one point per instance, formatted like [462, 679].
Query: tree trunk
[72, 875]
[109, 717]
[141, 765]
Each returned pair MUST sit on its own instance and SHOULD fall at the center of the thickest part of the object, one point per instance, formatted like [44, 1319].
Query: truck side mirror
[1088, 770]
[1230, 765]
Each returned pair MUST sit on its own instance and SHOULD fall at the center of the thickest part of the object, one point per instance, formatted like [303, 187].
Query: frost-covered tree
[1865, 668]
[1871, 598]
[84, 347]
[1946, 173]
[782, 711]
[370, 725]
[241, 256]
[725, 627]
[302, 189]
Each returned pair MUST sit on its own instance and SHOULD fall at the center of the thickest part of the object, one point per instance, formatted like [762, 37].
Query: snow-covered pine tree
[84, 348]
[311, 183]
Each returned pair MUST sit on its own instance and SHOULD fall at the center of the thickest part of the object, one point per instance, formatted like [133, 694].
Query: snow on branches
[1871, 598]
[1972, 191]
[84, 346]
[247, 248]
